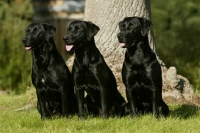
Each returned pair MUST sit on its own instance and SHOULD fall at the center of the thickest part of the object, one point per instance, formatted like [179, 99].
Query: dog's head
[78, 32]
[36, 34]
[132, 30]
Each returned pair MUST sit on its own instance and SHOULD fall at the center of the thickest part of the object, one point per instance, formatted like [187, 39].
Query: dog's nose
[65, 38]
[24, 40]
[119, 35]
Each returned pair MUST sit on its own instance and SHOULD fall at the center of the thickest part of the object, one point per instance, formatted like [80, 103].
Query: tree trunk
[107, 14]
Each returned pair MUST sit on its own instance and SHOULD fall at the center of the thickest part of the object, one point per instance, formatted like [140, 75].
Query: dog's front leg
[155, 101]
[132, 102]
[65, 104]
[42, 105]
[80, 100]
[104, 104]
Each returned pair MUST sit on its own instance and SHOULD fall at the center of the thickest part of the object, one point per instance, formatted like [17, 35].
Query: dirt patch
[2, 92]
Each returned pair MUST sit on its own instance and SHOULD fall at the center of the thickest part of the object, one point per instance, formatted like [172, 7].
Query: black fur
[91, 73]
[141, 72]
[50, 75]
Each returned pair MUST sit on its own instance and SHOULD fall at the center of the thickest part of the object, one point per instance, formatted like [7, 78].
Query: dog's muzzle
[121, 40]
[66, 40]
[25, 44]
[119, 35]
[24, 40]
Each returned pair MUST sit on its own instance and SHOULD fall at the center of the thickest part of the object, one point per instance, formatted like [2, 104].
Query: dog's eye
[78, 30]
[132, 27]
[35, 31]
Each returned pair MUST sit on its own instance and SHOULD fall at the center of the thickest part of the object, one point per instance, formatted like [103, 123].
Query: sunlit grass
[15, 117]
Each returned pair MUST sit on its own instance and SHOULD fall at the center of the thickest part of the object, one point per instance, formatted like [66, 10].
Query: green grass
[182, 119]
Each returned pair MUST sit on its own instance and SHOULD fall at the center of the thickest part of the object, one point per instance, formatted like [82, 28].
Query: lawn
[18, 114]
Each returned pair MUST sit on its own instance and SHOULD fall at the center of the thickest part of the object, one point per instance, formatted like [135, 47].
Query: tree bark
[107, 14]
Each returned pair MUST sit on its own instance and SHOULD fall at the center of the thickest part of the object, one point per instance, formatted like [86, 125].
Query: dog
[50, 75]
[91, 73]
[141, 72]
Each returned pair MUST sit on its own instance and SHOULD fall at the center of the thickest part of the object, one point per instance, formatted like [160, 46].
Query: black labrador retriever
[50, 75]
[91, 73]
[141, 72]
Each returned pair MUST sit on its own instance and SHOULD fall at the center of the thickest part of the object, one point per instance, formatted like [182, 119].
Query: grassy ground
[18, 114]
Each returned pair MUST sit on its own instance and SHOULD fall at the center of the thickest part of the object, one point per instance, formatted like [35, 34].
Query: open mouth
[69, 47]
[126, 44]
[122, 44]
[28, 48]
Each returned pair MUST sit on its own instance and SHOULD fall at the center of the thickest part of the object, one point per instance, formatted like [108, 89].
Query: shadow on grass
[185, 111]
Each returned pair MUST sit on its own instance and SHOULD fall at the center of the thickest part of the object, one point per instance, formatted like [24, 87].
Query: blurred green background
[175, 24]
[15, 62]
[177, 34]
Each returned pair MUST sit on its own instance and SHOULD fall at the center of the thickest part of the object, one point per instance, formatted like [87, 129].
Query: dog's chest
[136, 71]
[142, 87]
[40, 82]
[136, 74]
[86, 76]
[87, 80]
[137, 58]
[45, 80]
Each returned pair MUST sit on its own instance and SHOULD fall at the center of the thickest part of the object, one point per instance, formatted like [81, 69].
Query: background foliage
[15, 62]
[176, 29]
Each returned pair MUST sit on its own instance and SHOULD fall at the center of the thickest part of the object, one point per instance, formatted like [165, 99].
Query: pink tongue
[122, 44]
[27, 48]
[69, 47]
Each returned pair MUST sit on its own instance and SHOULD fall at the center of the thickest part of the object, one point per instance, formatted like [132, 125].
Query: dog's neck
[84, 54]
[42, 55]
[42, 48]
[45, 45]
[139, 50]
[141, 44]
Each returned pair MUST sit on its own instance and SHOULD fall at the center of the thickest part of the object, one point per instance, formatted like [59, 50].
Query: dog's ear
[49, 30]
[146, 25]
[92, 30]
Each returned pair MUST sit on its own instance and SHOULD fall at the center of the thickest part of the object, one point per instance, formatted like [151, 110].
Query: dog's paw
[133, 115]
[82, 118]
[104, 117]
[45, 117]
